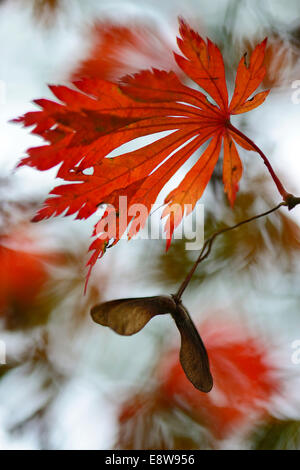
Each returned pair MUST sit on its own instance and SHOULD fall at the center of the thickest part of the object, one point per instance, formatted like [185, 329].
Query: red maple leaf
[99, 116]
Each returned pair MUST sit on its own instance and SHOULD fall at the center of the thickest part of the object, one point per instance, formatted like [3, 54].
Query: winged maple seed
[128, 316]
[99, 116]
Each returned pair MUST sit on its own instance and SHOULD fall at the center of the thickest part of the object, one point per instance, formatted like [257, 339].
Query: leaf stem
[206, 249]
[275, 178]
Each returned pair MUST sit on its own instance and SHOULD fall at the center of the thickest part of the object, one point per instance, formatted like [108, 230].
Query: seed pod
[193, 354]
[128, 316]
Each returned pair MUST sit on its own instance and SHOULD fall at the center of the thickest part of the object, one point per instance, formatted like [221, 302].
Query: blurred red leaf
[119, 50]
[148, 421]
[22, 278]
[243, 380]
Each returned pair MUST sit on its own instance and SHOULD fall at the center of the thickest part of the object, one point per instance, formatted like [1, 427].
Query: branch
[206, 249]
[275, 178]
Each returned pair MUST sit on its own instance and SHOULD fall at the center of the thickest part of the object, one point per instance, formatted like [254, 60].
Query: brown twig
[206, 249]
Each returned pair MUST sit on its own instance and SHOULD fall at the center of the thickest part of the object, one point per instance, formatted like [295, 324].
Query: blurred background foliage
[68, 383]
